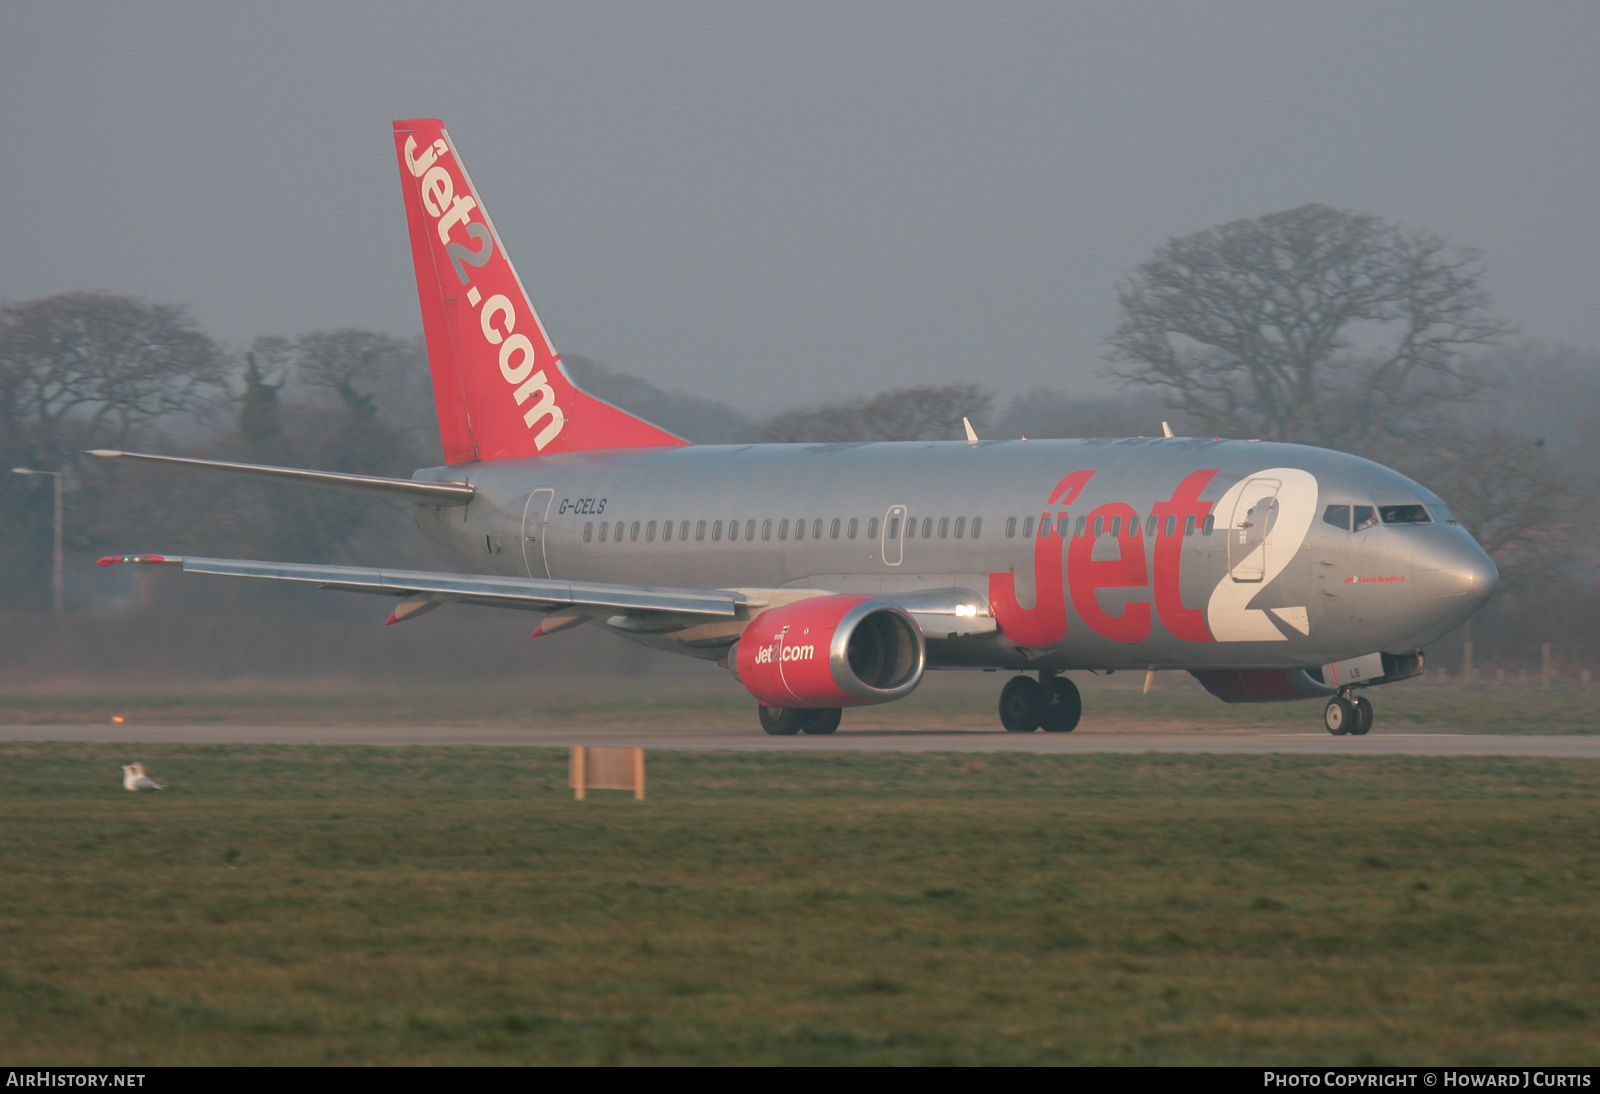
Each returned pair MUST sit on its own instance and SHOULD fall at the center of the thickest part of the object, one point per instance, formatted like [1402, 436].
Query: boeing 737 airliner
[826, 576]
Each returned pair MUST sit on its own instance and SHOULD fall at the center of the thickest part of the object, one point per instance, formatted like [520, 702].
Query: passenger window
[683, 530]
[700, 531]
[1027, 528]
[666, 531]
[1083, 524]
[650, 532]
[1188, 525]
[633, 533]
[977, 527]
[1366, 517]
[1011, 527]
[911, 527]
[783, 529]
[1338, 516]
[716, 531]
[603, 525]
[833, 530]
[894, 526]
[1150, 527]
[1404, 514]
[1061, 525]
[1116, 526]
[872, 528]
[961, 527]
[1044, 527]
[1211, 522]
[854, 522]
[588, 531]
[1172, 524]
[944, 527]
[927, 527]
[800, 528]
[766, 530]
[816, 529]
[1099, 526]
[750, 530]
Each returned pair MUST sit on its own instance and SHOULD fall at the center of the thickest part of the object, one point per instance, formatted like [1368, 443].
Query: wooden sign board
[595, 768]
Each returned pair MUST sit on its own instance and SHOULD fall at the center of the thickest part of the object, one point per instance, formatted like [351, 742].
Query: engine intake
[831, 651]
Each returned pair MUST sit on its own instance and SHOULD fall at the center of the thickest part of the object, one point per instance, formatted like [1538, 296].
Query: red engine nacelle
[831, 651]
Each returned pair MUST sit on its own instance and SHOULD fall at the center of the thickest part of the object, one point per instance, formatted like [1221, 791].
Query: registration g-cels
[1536, 1080]
[1271, 572]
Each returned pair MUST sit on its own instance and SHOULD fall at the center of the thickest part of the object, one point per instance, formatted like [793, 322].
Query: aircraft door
[1254, 514]
[535, 520]
[893, 552]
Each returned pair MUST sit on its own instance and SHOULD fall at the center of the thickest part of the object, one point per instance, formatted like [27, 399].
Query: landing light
[966, 609]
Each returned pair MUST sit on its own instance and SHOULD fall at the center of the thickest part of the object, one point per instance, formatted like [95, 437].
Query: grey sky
[775, 203]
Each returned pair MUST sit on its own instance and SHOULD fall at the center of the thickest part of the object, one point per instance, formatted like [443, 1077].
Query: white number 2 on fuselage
[1269, 514]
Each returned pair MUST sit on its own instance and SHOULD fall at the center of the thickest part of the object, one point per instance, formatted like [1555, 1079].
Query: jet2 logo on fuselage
[497, 318]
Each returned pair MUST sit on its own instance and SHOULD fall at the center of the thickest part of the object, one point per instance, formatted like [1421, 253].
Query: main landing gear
[1345, 715]
[1051, 703]
[787, 721]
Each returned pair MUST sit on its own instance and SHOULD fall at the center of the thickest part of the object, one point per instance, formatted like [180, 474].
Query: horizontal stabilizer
[435, 493]
[536, 594]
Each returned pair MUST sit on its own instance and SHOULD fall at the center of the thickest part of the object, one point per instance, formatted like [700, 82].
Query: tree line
[1314, 325]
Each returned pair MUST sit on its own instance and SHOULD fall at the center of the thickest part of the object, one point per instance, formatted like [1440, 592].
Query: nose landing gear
[1051, 703]
[1345, 715]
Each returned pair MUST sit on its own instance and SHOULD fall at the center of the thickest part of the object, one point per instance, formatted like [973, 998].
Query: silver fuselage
[1276, 585]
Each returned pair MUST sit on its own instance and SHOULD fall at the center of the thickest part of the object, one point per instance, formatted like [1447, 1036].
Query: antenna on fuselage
[1166, 430]
[972, 435]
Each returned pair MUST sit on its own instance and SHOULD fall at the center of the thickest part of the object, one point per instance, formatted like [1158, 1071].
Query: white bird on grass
[134, 778]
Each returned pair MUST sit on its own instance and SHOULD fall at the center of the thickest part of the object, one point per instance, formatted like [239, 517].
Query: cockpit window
[1366, 517]
[1338, 516]
[1404, 514]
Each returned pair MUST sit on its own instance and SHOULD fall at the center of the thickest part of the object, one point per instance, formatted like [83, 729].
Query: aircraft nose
[1453, 567]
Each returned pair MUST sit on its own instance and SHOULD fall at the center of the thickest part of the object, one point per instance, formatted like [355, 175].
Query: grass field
[449, 905]
[945, 701]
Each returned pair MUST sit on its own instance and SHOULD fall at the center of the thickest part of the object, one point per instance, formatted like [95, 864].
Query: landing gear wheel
[821, 720]
[1066, 706]
[1363, 721]
[1023, 703]
[1339, 715]
[781, 721]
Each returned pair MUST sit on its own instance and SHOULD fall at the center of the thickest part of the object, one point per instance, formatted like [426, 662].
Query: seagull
[134, 778]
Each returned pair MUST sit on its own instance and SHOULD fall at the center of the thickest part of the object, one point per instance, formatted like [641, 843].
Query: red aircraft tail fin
[500, 389]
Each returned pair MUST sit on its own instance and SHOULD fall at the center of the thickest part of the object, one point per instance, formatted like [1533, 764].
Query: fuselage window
[961, 527]
[700, 530]
[833, 529]
[1338, 516]
[1116, 526]
[816, 529]
[927, 527]
[750, 529]
[1083, 526]
[1188, 525]
[588, 531]
[944, 527]
[1011, 527]
[977, 527]
[854, 524]
[894, 527]
[1404, 514]
[666, 531]
[783, 529]
[1044, 526]
[766, 529]
[633, 533]
[1172, 524]
[603, 530]
[911, 527]
[683, 530]
[800, 528]
[1061, 525]
[1099, 526]
[1150, 527]
[1027, 528]
[1206, 528]
[650, 532]
[1366, 517]
[716, 531]
[872, 528]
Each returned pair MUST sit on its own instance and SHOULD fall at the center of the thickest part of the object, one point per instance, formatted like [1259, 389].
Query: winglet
[972, 435]
[1166, 430]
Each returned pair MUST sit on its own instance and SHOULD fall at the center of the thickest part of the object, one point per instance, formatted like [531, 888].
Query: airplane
[828, 576]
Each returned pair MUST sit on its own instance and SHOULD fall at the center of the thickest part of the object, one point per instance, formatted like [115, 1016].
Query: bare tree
[904, 414]
[1313, 325]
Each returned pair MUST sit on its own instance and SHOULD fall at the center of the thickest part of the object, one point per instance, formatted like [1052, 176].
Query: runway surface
[1319, 744]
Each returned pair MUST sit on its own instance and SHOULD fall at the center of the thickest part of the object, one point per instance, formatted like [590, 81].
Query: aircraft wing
[424, 589]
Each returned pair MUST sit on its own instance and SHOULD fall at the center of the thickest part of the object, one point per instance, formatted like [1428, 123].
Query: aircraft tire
[1022, 704]
[820, 721]
[781, 721]
[1066, 707]
[1339, 715]
[1363, 721]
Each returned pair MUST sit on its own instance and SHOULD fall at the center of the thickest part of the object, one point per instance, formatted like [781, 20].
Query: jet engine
[1263, 685]
[830, 651]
